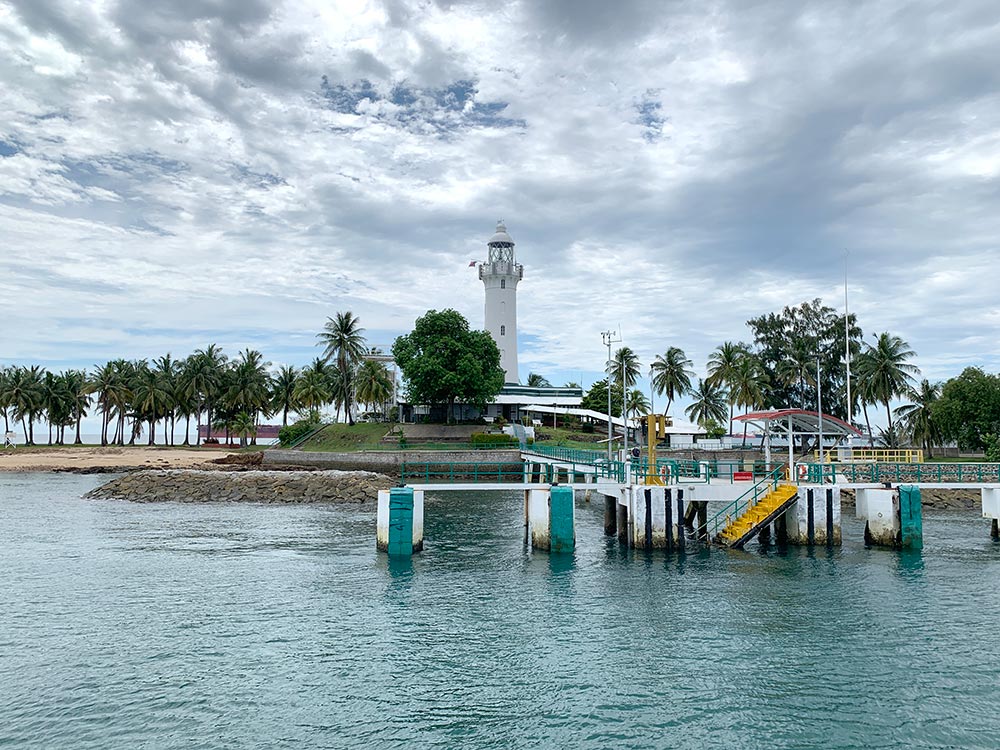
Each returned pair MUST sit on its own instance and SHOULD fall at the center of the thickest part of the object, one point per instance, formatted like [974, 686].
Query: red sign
[742, 476]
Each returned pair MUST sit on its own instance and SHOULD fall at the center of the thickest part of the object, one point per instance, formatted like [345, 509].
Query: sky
[236, 171]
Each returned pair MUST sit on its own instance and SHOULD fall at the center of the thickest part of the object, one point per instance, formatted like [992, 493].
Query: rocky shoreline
[194, 486]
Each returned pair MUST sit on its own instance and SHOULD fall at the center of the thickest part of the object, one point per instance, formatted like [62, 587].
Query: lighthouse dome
[500, 237]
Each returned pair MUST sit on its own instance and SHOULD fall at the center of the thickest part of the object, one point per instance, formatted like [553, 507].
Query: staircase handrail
[733, 510]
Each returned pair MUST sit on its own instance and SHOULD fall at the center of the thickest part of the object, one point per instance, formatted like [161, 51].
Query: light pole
[624, 410]
[819, 413]
[607, 337]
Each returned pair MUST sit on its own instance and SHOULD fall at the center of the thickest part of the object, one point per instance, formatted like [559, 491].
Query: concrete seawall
[388, 462]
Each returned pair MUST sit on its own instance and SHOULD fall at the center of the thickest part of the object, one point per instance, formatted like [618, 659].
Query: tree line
[229, 396]
[792, 354]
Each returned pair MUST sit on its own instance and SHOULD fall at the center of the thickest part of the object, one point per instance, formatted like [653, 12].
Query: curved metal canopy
[798, 422]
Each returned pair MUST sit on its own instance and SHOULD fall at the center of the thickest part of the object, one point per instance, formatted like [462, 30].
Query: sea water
[176, 625]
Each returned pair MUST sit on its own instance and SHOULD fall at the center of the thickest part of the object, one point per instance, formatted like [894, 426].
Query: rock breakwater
[193, 486]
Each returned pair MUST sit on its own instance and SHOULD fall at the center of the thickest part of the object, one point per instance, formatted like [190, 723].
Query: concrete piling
[610, 515]
[551, 519]
[400, 521]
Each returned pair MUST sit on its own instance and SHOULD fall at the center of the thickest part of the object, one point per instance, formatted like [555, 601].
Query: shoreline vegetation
[795, 358]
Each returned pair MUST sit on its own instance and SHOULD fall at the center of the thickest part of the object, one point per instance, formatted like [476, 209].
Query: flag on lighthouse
[472, 263]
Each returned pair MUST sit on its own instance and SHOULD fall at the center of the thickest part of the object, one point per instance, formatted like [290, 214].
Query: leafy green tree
[596, 399]
[312, 390]
[916, 417]
[968, 409]
[343, 340]
[787, 345]
[443, 361]
[671, 375]
[708, 405]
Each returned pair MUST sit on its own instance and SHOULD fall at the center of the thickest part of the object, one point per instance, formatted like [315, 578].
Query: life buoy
[802, 471]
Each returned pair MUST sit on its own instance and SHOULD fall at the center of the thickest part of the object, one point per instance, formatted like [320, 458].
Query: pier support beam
[814, 518]
[610, 515]
[991, 509]
[551, 519]
[400, 521]
[893, 517]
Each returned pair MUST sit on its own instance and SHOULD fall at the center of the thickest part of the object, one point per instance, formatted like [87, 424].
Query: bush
[991, 448]
[210, 441]
[587, 427]
[486, 440]
[293, 432]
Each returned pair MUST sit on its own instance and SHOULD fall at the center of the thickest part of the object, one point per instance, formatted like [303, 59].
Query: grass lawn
[571, 438]
[344, 437]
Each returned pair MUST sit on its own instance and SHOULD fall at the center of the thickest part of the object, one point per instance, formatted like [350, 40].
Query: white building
[500, 275]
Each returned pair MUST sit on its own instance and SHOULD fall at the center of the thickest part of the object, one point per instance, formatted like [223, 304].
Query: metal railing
[872, 455]
[874, 473]
[445, 472]
[747, 500]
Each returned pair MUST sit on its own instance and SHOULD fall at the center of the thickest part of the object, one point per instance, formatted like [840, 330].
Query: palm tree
[312, 390]
[709, 405]
[78, 388]
[150, 399]
[748, 385]
[343, 340]
[243, 425]
[6, 378]
[537, 381]
[886, 372]
[670, 375]
[206, 379]
[723, 365]
[916, 415]
[624, 368]
[636, 403]
[373, 384]
[27, 398]
[283, 392]
[167, 370]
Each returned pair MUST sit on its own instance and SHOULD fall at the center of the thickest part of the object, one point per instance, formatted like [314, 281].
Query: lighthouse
[500, 275]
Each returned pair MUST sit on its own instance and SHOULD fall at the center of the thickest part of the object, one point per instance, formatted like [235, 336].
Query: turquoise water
[187, 626]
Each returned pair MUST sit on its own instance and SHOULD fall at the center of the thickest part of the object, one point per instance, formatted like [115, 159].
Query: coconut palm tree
[244, 426]
[670, 375]
[885, 371]
[206, 379]
[636, 403]
[373, 385]
[624, 368]
[723, 365]
[537, 381]
[749, 385]
[283, 392]
[343, 341]
[916, 415]
[150, 399]
[709, 404]
[6, 378]
[312, 390]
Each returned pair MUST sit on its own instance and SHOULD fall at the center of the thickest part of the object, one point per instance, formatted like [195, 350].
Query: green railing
[874, 473]
[444, 472]
[575, 455]
[393, 446]
[747, 500]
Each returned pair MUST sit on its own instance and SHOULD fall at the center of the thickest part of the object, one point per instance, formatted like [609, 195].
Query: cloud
[241, 170]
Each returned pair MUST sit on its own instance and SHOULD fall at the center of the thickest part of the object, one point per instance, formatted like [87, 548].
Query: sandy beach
[108, 459]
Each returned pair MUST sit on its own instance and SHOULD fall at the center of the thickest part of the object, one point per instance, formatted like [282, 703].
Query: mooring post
[610, 515]
[994, 529]
[648, 518]
[703, 521]
[781, 529]
[562, 530]
[400, 521]
[911, 526]
[810, 518]
[668, 507]
[680, 520]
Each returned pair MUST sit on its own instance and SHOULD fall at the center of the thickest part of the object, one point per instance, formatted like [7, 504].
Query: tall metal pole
[625, 410]
[606, 336]
[819, 411]
[847, 346]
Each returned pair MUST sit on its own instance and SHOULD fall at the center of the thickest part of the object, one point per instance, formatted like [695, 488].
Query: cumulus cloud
[237, 171]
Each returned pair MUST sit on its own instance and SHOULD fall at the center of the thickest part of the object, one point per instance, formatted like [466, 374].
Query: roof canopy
[798, 422]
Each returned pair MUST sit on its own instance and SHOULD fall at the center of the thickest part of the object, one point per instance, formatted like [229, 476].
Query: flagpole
[847, 345]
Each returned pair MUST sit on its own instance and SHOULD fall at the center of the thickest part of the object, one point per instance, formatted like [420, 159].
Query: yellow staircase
[738, 530]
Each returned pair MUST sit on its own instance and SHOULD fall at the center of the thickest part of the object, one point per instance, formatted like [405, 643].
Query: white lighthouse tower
[500, 275]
